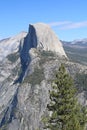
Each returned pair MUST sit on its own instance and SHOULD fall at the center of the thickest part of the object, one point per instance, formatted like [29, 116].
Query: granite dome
[42, 36]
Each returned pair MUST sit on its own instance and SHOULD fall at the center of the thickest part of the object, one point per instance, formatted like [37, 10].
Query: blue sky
[68, 18]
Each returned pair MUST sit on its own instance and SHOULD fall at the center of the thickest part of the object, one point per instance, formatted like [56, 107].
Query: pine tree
[65, 111]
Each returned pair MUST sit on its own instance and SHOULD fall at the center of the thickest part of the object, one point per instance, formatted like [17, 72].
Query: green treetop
[65, 111]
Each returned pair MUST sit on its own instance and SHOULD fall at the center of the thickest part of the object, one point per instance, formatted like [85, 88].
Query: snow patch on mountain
[79, 41]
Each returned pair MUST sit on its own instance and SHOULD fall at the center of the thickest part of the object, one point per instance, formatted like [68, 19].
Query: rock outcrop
[41, 36]
[23, 105]
[10, 45]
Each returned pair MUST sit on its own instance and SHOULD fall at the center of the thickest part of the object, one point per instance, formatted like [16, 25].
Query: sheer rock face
[23, 105]
[41, 36]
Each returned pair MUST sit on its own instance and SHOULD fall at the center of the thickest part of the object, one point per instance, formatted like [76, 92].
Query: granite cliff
[26, 76]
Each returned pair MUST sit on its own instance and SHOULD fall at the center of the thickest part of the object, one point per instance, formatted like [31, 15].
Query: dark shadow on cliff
[9, 113]
[30, 41]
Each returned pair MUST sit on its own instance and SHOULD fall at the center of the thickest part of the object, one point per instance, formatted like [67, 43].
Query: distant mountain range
[76, 43]
[76, 50]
